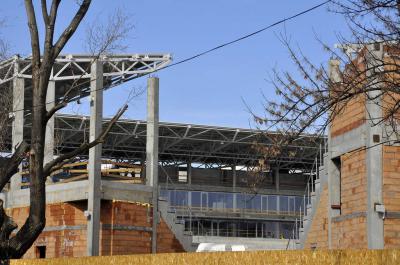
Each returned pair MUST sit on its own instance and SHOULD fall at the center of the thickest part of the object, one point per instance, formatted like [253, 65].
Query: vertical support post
[277, 230]
[333, 167]
[49, 137]
[189, 172]
[18, 122]
[234, 197]
[234, 180]
[152, 151]
[374, 148]
[143, 168]
[94, 166]
[277, 179]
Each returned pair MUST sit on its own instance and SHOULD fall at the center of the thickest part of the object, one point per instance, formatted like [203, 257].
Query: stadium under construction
[153, 186]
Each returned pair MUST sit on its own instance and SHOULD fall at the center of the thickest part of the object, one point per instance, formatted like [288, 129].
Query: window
[272, 203]
[336, 186]
[41, 252]
[196, 199]
[284, 204]
[182, 175]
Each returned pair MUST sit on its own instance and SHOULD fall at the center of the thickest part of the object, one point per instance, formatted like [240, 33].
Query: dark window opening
[337, 182]
[41, 252]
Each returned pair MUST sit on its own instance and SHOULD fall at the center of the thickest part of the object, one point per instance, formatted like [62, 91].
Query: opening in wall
[336, 185]
[182, 175]
[41, 252]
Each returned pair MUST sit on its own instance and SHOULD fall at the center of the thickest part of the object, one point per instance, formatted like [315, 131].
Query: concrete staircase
[176, 226]
[313, 201]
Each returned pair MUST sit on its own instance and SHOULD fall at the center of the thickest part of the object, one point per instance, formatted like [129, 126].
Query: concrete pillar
[234, 180]
[49, 138]
[277, 230]
[277, 179]
[143, 168]
[189, 172]
[374, 150]
[18, 122]
[333, 165]
[152, 151]
[94, 166]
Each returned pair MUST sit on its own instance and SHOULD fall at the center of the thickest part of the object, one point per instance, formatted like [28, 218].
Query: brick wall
[123, 230]
[350, 229]
[391, 194]
[350, 116]
[318, 233]
[353, 182]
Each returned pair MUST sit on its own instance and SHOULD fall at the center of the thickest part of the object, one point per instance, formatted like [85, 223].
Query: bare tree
[43, 58]
[358, 70]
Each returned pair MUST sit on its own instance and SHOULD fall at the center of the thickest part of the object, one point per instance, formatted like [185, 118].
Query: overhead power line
[248, 35]
[223, 44]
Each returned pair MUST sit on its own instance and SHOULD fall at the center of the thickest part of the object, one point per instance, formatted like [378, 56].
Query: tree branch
[30, 12]
[69, 31]
[44, 13]
[48, 168]
[9, 166]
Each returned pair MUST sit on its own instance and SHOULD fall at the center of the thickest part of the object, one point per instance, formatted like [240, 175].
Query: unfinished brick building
[356, 201]
[125, 229]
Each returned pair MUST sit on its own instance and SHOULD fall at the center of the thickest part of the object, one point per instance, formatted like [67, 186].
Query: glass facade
[218, 201]
[236, 228]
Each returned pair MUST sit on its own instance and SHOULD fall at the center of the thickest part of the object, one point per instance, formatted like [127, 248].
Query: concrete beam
[152, 150]
[112, 190]
[348, 141]
[94, 165]
[18, 122]
[49, 137]
[55, 193]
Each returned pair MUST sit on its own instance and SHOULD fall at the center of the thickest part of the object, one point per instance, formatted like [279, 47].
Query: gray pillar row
[94, 165]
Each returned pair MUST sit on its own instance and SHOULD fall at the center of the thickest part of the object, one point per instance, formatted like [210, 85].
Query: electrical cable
[217, 47]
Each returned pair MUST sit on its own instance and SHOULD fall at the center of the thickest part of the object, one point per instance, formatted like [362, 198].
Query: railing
[309, 191]
[187, 209]
[248, 233]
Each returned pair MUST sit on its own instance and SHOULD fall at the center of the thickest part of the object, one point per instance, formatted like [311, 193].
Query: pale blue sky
[208, 90]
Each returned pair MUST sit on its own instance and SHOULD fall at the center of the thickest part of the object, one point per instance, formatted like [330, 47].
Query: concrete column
[277, 179]
[234, 180]
[189, 172]
[333, 165]
[143, 168]
[277, 230]
[49, 138]
[94, 166]
[18, 122]
[374, 151]
[152, 151]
